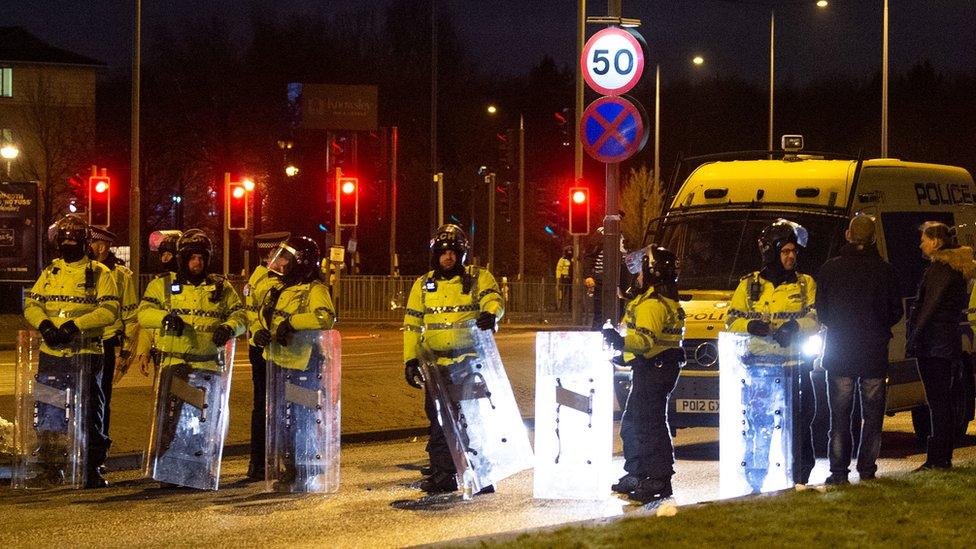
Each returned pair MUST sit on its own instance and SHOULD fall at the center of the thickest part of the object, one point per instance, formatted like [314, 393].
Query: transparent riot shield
[759, 400]
[302, 450]
[573, 416]
[189, 424]
[51, 401]
[477, 409]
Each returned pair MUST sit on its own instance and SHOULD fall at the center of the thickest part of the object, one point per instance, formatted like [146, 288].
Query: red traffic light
[348, 201]
[99, 200]
[237, 215]
[579, 210]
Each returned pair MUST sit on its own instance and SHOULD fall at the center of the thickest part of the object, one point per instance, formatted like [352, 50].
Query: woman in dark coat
[934, 334]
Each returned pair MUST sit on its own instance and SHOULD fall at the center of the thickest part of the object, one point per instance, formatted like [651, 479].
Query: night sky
[509, 36]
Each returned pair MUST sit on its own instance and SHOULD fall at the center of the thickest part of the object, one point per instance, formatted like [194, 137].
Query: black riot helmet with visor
[72, 237]
[658, 267]
[776, 235]
[296, 260]
[194, 242]
[164, 244]
[448, 237]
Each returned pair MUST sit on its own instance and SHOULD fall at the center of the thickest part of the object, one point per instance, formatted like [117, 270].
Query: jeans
[937, 376]
[840, 397]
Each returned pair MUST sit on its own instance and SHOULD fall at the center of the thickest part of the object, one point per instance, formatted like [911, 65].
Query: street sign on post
[612, 129]
[613, 61]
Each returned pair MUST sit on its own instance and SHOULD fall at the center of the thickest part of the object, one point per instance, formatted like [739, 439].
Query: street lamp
[492, 110]
[698, 60]
[9, 152]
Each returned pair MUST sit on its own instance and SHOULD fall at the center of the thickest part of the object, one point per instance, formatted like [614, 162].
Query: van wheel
[920, 421]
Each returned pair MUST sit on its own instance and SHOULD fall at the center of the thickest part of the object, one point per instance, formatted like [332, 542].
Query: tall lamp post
[884, 83]
[492, 110]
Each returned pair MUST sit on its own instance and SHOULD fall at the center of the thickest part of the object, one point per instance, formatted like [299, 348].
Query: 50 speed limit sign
[613, 61]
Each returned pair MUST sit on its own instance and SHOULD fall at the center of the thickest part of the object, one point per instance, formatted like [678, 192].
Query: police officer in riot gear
[259, 284]
[299, 301]
[121, 335]
[655, 328]
[71, 304]
[777, 302]
[449, 294]
[196, 314]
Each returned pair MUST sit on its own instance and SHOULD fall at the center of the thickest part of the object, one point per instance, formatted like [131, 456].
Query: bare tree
[60, 139]
[640, 202]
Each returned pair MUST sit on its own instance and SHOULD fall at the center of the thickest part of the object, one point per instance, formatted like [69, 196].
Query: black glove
[758, 328]
[68, 331]
[172, 322]
[413, 374]
[613, 338]
[486, 321]
[785, 334]
[51, 335]
[222, 334]
[262, 337]
[283, 333]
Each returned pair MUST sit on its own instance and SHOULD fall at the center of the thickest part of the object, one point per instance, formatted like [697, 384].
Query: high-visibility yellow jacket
[306, 307]
[126, 323]
[203, 308]
[776, 305]
[255, 293]
[82, 291]
[436, 307]
[146, 337]
[654, 324]
[563, 268]
[971, 311]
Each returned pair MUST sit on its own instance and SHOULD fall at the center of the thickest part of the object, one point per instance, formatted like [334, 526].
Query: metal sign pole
[226, 242]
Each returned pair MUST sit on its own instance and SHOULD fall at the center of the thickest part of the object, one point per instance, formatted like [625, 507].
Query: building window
[6, 82]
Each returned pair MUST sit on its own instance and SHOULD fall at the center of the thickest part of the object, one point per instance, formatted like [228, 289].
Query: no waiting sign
[612, 129]
[613, 61]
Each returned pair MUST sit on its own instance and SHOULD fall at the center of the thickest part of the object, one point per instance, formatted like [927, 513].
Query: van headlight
[812, 346]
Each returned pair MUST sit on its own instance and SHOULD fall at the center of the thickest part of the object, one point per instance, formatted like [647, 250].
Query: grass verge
[930, 509]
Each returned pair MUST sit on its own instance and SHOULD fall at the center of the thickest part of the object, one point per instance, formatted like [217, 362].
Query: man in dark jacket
[858, 303]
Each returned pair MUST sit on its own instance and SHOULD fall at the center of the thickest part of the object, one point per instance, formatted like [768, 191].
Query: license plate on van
[696, 406]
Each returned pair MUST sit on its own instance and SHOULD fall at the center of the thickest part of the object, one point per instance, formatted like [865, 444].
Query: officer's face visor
[282, 260]
[633, 259]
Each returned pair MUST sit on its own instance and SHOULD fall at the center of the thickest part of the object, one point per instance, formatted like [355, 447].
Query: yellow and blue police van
[713, 221]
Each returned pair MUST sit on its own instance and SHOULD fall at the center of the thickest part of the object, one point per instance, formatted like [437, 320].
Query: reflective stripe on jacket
[776, 305]
[66, 291]
[202, 315]
[436, 307]
[654, 324]
[306, 307]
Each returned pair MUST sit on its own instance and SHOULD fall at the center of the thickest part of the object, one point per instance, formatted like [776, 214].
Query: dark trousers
[648, 450]
[841, 391]
[937, 376]
[437, 447]
[259, 378]
[63, 368]
[108, 374]
[804, 458]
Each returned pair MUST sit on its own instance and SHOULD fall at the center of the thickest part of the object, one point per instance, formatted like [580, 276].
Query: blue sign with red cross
[612, 129]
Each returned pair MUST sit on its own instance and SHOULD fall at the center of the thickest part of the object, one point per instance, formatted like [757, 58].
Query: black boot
[651, 489]
[94, 479]
[255, 471]
[439, 482]
[626, 484]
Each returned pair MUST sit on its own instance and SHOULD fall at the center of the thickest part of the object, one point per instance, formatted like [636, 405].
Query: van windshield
[717, 248]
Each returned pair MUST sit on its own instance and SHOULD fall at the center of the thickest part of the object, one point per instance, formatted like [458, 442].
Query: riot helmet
[658, 266]
[448, 237]
[193, 242]
[296, 260]
[72, 238]
[164, 244]
[776, 235]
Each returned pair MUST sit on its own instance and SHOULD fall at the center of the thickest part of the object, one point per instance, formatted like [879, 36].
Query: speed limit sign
[613, 61]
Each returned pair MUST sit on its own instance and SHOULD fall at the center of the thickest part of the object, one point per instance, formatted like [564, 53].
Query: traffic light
[507, 149]
[99, 193]
[579, 210]
[348, 203]
[237, 217]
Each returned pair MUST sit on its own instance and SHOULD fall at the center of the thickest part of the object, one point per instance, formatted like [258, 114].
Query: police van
[713, 223]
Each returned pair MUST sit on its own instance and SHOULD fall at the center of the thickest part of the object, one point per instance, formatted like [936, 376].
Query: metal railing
[383, 298]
